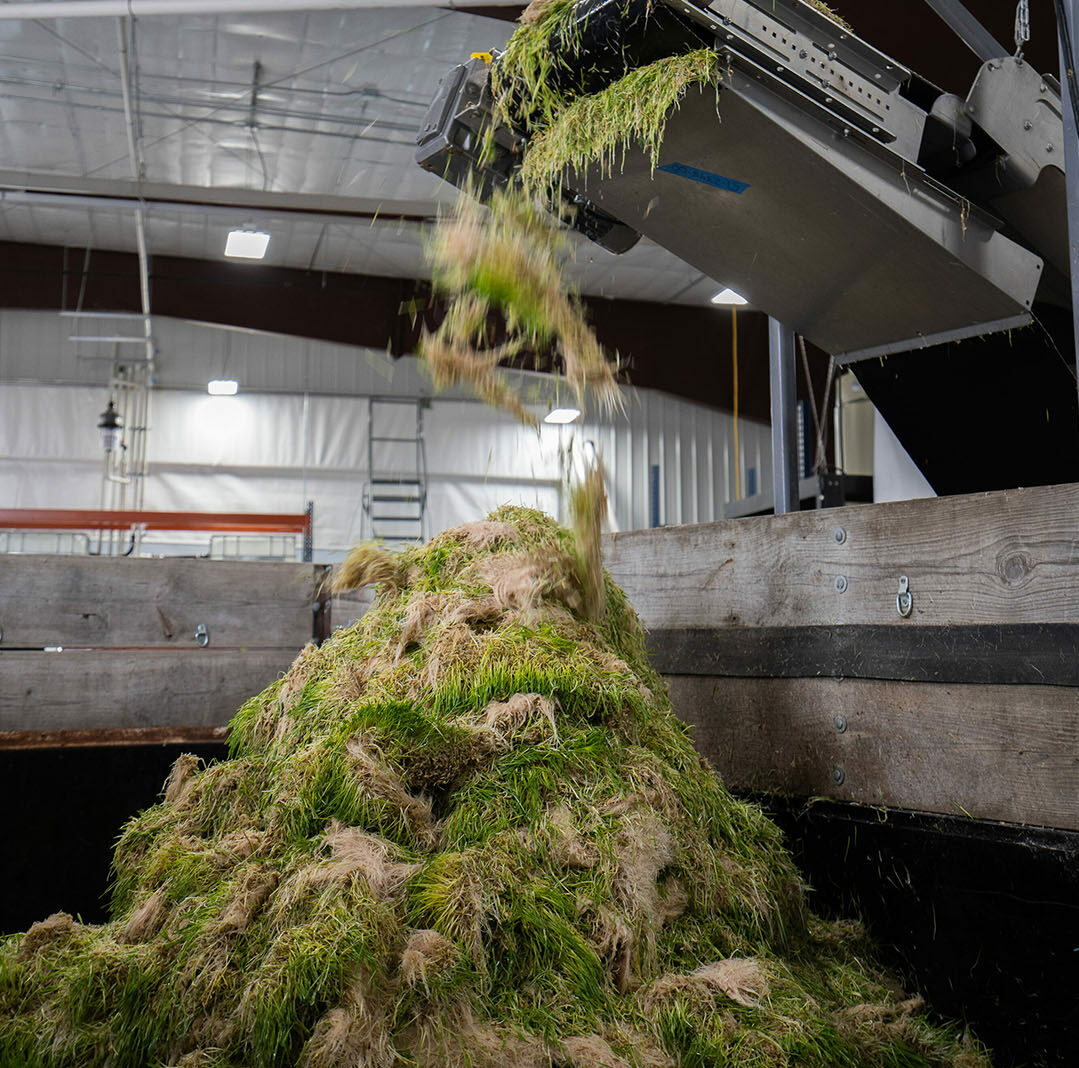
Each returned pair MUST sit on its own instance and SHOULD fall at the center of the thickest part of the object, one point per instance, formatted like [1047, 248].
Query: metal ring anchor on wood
[904, 600]
[840, 584]
[202, 635]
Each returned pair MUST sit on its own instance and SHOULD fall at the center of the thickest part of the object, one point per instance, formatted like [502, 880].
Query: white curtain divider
[273, 451]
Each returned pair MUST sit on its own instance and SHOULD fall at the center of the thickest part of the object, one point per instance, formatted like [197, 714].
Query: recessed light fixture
[247, 244]
[222, 387]
[561, 415]
[728, 296]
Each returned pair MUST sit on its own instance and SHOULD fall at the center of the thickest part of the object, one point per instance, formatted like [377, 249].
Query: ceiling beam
[58, 190]
[683, 350]
[969, 30]
[74, 9]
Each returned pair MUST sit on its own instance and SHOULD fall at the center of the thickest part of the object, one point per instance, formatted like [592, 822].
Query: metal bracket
[904, 600]
[202, 635]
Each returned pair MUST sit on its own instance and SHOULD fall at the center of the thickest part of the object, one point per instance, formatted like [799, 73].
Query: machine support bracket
[969, 30]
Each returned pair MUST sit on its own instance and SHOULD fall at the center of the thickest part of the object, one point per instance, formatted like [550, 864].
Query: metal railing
[253, 547]
[20, 520]
[51, 543]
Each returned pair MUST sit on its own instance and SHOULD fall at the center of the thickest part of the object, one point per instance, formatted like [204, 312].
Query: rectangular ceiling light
[728, 296]
[247, 244]
[222, 387]
[561, 415]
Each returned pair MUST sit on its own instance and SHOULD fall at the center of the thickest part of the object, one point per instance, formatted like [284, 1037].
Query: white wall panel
[37, 483]
[273, 450]
[896, 476]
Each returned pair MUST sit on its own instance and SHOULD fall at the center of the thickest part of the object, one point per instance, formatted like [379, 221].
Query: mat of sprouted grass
[504, 267]
[508, 265]
[529, 82]
[466, 831]
[507, 260]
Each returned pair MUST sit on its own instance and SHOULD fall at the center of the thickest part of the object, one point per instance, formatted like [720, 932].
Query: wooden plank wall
[347, 608]
[129, 658]
[782, 644]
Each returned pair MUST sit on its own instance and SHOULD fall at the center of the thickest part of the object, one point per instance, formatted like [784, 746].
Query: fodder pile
[466, 831]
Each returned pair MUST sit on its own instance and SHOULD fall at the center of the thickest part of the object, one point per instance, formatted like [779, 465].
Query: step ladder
[395, 499]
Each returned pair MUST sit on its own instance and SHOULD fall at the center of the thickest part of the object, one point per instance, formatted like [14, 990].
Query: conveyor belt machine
[834, 188]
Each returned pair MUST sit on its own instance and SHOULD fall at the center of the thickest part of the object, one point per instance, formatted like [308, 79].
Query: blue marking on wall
[695, 174]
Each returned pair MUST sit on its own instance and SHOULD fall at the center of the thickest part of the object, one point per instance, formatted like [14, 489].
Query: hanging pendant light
[111, 428]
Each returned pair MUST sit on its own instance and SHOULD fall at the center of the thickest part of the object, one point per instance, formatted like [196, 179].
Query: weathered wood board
[79, 689]
[992, 752]
[769, 628]
[348, 607]
[127, 627]
[115, 601]
[1010, 557]
[113, 737]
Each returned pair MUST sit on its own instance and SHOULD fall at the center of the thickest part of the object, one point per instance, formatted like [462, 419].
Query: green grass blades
[501, 270]
[467, 831]
[601, 128]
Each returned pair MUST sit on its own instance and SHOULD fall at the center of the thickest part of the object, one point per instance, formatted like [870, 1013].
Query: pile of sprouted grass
[466, 832]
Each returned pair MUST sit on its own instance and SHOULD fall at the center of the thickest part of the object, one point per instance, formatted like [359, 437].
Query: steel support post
[1067, 33]
[781, 377]
[309, 533]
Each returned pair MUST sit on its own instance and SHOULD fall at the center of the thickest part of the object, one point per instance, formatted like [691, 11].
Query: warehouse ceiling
[303, 124]
[300, 123]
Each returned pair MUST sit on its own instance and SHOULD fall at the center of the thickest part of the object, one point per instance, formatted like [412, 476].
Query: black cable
[85, 276]
[266, 183]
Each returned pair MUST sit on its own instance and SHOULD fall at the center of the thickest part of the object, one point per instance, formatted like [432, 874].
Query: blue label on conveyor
[695, 174]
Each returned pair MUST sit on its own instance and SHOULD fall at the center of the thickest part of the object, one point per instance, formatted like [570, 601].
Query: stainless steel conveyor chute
[831, 186]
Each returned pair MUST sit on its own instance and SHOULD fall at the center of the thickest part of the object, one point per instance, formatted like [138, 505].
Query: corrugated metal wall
[298, 431]
[35, 346]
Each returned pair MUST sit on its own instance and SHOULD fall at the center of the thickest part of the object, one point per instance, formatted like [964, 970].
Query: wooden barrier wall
[131, 669]
[782, 644]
